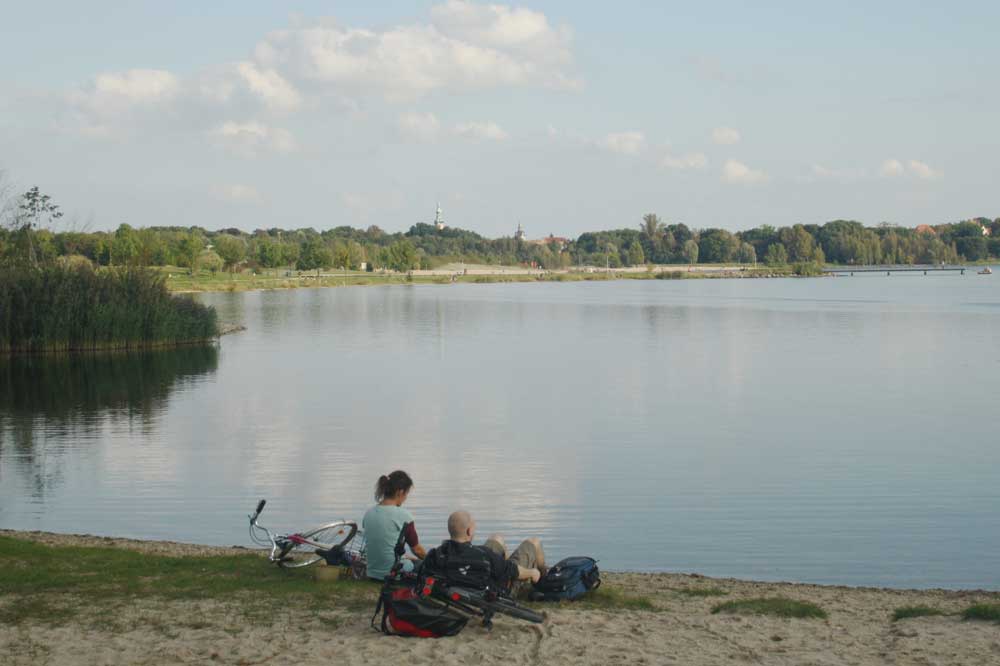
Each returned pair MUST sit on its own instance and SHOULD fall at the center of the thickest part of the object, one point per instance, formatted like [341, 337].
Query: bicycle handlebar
[260, 506]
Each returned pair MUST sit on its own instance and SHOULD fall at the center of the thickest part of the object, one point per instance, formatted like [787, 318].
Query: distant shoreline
[183, 284]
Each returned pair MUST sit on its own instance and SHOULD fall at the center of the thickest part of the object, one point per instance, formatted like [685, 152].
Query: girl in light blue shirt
[384, 521]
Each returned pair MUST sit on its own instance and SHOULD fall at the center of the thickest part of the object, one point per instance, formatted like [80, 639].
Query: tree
[231, 249]
[210, 260]
[125, 246]
[776, 255]
[747, 254]
[635, 255]
[33, 210]
[314, 254]
[799, 244]
[188, 249]
[402, 256]
[691, 251]
[717, 246]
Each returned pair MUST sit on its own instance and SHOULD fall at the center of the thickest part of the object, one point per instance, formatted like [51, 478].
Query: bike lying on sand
[331, 542]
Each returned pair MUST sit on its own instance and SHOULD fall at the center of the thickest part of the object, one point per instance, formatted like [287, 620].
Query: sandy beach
[681, 629]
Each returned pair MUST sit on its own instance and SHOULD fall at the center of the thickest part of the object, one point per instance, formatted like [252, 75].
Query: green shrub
[989, 612]
[777, 606]
[915, 611]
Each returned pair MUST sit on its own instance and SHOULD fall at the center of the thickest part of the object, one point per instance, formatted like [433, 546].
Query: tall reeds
[75, 308]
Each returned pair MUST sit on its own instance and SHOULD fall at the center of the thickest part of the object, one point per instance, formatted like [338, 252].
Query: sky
[562, 116]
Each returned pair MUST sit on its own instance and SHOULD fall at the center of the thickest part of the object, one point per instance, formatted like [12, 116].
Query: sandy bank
[681, 630]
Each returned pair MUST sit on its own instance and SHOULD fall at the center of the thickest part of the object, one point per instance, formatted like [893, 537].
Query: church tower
[438, 220]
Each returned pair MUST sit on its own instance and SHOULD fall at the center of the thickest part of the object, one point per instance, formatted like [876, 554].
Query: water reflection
[69, 400]
[830, 430]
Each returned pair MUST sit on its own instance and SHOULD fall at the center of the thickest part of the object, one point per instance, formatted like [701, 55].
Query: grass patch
[987, 612]
[776, 606]
[907, 612]
[54, 584]
[702, 592]
[604, 598]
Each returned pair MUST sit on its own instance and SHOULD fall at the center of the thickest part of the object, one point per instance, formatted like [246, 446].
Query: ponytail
[389, 486]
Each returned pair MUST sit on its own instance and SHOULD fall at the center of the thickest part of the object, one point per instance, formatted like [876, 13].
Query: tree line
[29, 236]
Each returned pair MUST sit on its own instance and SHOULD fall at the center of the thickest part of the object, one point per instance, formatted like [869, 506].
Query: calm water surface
[841, 430]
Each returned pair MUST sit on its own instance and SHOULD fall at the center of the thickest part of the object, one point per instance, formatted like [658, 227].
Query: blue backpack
[569, 579]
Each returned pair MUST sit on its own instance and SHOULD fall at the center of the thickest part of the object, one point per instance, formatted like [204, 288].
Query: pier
[889, 270]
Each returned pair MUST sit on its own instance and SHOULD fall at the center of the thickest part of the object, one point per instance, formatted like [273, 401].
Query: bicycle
[330, 542]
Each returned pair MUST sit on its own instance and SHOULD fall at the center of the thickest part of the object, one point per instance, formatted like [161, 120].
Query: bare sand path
[681, 630]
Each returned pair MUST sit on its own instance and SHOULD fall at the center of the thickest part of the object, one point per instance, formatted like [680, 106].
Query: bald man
[458, 558]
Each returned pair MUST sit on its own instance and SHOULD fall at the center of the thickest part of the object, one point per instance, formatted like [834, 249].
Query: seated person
[462, 563]
[384, 521]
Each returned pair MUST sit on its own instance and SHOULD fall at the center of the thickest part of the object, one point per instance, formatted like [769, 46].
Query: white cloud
[725, 136]
[482, 130]
[418, 126]
[739, 173]
[277, 93]
[499, 26]
[114, 95]
[892, 169]
[690, 161]
[238, 86]
[820, 172]
[237, 193]
[922, 170]
[251, 138]
[467, 46]
[624, 143]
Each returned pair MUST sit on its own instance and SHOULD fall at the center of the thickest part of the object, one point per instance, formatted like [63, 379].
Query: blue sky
[563, 116]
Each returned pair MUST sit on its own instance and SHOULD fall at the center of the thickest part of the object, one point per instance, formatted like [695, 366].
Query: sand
[682, 630]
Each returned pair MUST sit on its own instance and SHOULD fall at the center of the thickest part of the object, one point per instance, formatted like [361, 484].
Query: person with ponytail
[384, 521]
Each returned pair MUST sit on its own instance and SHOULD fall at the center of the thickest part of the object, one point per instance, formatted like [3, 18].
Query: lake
[838, 430]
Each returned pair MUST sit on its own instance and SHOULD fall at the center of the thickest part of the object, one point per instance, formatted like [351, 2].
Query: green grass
[907, 612]
[702, 592]
[54, 584]
[610, 598]
[987, 612]
[776, 606]
[94, 585]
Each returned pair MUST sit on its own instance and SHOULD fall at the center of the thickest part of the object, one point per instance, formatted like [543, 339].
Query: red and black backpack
[406, 611]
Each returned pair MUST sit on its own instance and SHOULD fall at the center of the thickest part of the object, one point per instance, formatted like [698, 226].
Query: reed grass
[75, 308]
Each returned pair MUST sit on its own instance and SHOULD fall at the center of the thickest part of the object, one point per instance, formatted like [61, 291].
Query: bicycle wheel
[322, 538]
[339, 533]
[297, 555]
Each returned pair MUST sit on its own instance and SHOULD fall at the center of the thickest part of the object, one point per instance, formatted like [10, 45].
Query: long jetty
[889, 270]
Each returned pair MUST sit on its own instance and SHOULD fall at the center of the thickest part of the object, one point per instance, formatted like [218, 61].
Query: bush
[989, 612]
[777, 606]
[71, 308]
[915, 611]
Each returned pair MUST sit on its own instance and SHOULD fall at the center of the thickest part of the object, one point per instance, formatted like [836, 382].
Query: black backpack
[466, 567]
[408, 612]
[569, 579]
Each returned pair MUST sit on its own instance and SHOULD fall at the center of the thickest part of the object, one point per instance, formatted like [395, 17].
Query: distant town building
[926, 229]
[438, 220]
[519, 234]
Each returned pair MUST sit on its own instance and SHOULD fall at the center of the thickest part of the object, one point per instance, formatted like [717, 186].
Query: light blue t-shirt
[382, 525]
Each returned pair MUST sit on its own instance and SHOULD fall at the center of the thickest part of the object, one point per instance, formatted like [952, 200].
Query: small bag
[405, 612]
[569, 579]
